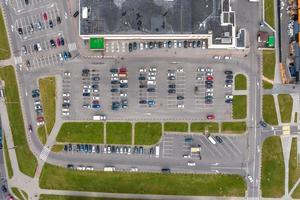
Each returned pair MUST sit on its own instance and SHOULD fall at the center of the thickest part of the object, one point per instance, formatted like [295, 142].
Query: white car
[60, 55]
[95, 90]
[227, 57]
[217, 57]
[180, 69]
[124, 81]
[175, 43]
[86, 90]
[210, 90]
[199, 78]
[129, 151]
[114, 75]
[66, 94]
[250, 178]
[81, 168]
[89, 168]
[104, 150]
[228, 85]
[153, 69]
[209, 94]
[102, 117]
[200, 69]
[204, 45]
[191, 163]
[65, 113]
[146, 45]
[67, 73]
[151, 73]
[123, 94]
[151, 78]
[87, 87]
[143, 70]
[37, 103]
[186, 155]
[66, 100]
[209, 70]
[108, 149]
[171, 74]
[39, 46]
[114, 78]
[96, 97]
[134, 169]
[208, 74]
[179, 44]
[228, 97]
[180, 106]
[141, 46]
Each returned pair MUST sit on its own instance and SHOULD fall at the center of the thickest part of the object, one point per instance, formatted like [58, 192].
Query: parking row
[66, 98]
[119, 85]
[22, 4]
[38, 108]
[176, 87]
[91, 89]
[147, 86]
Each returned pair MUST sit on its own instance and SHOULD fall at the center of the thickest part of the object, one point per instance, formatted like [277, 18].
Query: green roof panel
[97, 43]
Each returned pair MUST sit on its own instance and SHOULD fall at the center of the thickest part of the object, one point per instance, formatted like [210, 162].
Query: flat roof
[152, 17]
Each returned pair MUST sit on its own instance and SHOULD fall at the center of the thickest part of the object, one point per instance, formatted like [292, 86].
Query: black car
[171, 77]
[86, 148]
[70, 166]
[194, 44]
[208, 97]
[160, 44]
[142, 78]
[228, 100]
[115, 82]
[58, 19]
[228, 72]
[151, 90]
[135, 149]
[172, 86]
[208, 101]
[86, 94]
[66, 148]
[171, 91]
[76, 14]
[35, 47]
[124, 85]
[143, 86]
[78, 147]
[26, 2]
[198, 43]
[169, 44]
[4, 189]
[151, 150]
[180, 97]
[228, 81]
[96, 78]
[95, 86]
[229, 76]
[62, 41]
[65, 105]
[263, 124]
[134, 46]
[130, 47]
[70, 147]
[151, 45]
[90, 148]
[50, 23]
[208, 86]
[52, 43]
[185, 44]
[143, 102]
[209, 82]
[97, 149]
[20, 31]
[219, 139]
[166, 170]
[114, 90]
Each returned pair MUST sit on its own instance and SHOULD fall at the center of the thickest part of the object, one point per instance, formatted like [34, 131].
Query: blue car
[151, 103]
[65, 55]
[96, 106]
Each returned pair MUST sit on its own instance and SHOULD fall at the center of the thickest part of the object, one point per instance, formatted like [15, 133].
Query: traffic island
[285, 106]
[240, 82]
[273, 170]
[59, 178]
[81, 132]
[269, 111]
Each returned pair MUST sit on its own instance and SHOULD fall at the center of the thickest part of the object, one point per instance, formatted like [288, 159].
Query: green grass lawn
[48, 99]
[240, 82]
[269, 12]
[57, 197]
[176, 126]
[53, 177]
[147, 133]
[119, 133]
[239, 107]
[269, 111]
[9, 168]
[269, 64]
[285, 106]
[296, 117]
[267, 85]
[296, 193]
[200, 127]
[17, 193]
[81, 132]
[41, 131]
[57, 148]
[4, 46]
[233, 127]
[272, 171]
[26, 160]
[294, 170]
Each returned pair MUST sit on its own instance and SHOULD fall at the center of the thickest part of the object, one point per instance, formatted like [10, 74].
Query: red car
[210, 117]
[209, 78]
[40, 119]
[123, 70]
[9, 197]
[30, 128]
[58, 42]
[45, 16]
[95, 102]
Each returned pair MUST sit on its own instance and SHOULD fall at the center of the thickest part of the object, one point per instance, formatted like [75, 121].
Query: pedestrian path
[44, 154]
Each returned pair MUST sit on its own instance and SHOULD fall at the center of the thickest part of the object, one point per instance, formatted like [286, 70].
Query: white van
[211, 139]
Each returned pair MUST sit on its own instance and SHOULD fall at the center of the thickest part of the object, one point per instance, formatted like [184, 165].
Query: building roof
[97, 43]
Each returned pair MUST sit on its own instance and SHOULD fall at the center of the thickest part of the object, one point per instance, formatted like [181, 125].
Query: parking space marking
[208, 146]
[234, 146]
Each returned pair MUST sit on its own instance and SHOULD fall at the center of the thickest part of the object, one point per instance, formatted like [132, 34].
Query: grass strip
[57, 197]
[269, 12]
[147, 133]
[200, 127]
[176, 126]
[272, 172]
[54, 177]
[57, 148]
[233, 127]
[269, 110]
[269, 63]
[119, 133]
[4, 45]
[47, 88]
[294, 170]
[17, 193]
[285, 106]
[41, 131]
[81, 132]
[9, 168]
[267, 85]
[240, 82]
[26, 160]
[239, 107]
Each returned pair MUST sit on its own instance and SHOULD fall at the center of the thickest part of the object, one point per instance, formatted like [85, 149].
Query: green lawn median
[239, 107]
[26, 160]
[269, 64]
[81, 132]
[57, 197]
[48, 99]
[233, 127]
[176, 127]
[269, 110]
[41, 131]
[296, 193]
[240, 82]
[285, 106]
[269, 12]
[272, 171]
[9, 168]
[4, 46]
[294, 170]
[201, 127]
[57, 148]
[18, 193]
[118, 133]
[267, 85]
[54, 177]
[147, 133]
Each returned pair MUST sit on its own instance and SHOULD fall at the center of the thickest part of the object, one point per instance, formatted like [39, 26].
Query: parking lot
[150, 90]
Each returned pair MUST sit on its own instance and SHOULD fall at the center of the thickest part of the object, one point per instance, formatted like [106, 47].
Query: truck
[99, 117]
[157, 151]
[211, 139]
[109, 169]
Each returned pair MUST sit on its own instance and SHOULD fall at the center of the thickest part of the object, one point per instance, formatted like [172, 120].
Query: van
[76, 14]
[211, 139]
[109, 169]
[157, 151]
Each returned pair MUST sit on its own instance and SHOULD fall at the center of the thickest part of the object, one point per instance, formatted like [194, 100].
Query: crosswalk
[18, 60]
[72, 47]
[44, 154]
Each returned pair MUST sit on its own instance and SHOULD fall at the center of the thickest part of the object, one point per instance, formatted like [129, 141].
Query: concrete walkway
[277, 108]
[286, 142]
